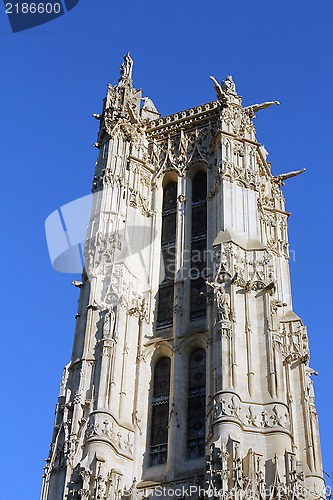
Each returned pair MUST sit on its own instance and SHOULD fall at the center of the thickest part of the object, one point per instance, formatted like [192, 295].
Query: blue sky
[54, 76]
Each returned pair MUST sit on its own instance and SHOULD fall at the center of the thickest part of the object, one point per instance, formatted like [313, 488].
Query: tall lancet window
[160, 413]
[168, 247]
[196, 404]
[198, 246]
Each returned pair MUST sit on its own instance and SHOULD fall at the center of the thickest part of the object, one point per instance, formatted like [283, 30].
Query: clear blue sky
[54, 76]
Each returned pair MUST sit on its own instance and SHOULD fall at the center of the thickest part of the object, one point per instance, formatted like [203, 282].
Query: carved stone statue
[137, 421]
[222, 299]
[126, 67]
[228, 85]
[109, 322]
[309, 384]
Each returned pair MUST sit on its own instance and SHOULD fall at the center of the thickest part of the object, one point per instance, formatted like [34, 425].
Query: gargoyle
[77, 284]
[279, 179]
[252, 110]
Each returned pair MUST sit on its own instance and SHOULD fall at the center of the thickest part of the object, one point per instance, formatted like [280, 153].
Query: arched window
[168, 247]
[196, 409]
[198, 246]
[160, 413]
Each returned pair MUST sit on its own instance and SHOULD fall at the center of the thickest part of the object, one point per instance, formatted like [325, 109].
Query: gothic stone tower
[189, 368]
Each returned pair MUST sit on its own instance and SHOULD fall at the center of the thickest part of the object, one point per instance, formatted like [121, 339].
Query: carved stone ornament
[227, 405]
[103, 425]
[177, 152]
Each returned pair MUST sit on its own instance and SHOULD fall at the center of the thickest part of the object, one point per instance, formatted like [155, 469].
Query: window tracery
[168, 249]
[196, 404]
[160, 412]
[198, 246]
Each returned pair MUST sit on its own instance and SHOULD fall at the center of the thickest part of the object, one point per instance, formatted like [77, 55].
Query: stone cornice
[185, 117]
[276, 210]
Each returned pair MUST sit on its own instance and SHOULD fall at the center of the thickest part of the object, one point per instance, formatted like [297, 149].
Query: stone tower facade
[190, 371]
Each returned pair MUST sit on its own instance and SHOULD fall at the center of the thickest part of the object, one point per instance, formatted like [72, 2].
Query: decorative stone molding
[243, 176]
[237, 122]
[184, 119]
[274, 223]
[253, 269]
[273, 415]
[176, 152]
[96, 482]
[139, 308]
[270, 194]
[234, 475]
[136, 200]
[103, 425]
[295, 343]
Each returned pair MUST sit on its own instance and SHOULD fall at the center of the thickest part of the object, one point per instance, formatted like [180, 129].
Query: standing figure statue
[109, 323]
[222, 299]
[126, 67]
